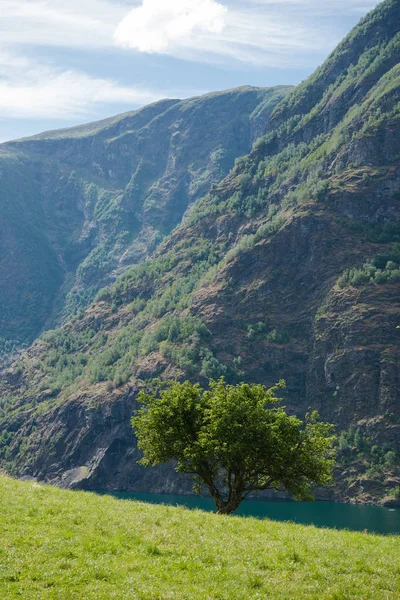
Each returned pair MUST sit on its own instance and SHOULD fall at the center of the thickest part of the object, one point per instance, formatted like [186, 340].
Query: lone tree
[234, 439]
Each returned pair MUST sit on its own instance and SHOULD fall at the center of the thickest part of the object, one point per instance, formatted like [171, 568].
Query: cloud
[318, 8]
[30, 90]
[257, 33]
[285, 33]
[159, 25]
[38, 88]
[72, 24]
[208, 31]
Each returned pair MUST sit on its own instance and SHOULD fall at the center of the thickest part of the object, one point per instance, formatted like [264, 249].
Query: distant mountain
[289, 268]
[80, 205]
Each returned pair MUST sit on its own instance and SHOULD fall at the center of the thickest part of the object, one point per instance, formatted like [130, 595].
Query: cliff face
[289, 268]
[81, 205]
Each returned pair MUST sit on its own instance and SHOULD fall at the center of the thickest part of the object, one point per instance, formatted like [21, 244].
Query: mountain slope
[81, 205]
[289, 268]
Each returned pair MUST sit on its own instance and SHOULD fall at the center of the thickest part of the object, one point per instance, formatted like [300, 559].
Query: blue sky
[66, 62]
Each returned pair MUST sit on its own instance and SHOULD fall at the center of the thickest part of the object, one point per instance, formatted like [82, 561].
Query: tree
[234, 440]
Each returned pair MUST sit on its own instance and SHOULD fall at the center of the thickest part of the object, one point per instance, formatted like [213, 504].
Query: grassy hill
[64, 545]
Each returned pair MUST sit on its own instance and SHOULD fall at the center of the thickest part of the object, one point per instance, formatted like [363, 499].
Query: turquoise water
[355, 517]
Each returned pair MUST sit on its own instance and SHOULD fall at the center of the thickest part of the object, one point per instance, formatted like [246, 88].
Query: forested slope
[81, 205]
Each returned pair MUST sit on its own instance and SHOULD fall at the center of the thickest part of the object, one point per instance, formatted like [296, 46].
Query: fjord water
[356, 517]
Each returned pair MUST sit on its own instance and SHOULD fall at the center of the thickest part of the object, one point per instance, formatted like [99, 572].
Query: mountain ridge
[94, 127]
[101, 200]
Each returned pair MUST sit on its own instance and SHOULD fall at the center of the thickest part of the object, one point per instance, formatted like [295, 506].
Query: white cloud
[40, 89]
[258, 32]
[307, 4]
[320, 8]
[158, 26]
[283, 33]
[30, 90]
[279, 33]
[72, 23]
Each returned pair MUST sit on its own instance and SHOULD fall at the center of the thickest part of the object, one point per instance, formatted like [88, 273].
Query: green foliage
[234, 440]
[71, 357]
[356, 444]
[7, 403]
[211, 368]
[271, 227]
[278, 336]
[391, 459]
[182, 340]
[378, 234]
[10, 347]
[64, 360]
[274, 336]
[343, 442]
[137, 305]
[383, 269]
[257, 330]
[264, 231]
[5, 441]
[391, 256]
[245, 242]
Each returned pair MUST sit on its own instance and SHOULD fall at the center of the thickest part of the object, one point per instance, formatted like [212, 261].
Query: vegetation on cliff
[79, 206]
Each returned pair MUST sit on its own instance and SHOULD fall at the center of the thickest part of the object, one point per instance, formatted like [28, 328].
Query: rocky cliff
[81, 205]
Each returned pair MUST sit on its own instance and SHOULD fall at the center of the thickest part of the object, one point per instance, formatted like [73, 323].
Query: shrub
[278, 336]
[254, 331]
[384, 268]
[396, 492]
[391, 459]
[211, 368]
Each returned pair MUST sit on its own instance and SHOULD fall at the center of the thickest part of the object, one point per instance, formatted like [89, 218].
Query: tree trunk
[227, 508]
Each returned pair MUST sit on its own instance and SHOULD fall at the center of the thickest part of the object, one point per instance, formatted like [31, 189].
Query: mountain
[81, 205]
[288, 268]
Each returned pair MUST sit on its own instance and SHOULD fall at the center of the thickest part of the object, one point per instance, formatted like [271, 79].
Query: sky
[67, 62]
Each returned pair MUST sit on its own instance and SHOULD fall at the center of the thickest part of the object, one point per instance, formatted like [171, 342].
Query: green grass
[64, 545]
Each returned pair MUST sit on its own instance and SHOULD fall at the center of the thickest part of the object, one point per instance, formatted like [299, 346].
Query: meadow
[57, 544]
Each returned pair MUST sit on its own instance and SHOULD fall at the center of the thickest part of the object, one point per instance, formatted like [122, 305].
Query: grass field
[56, 544]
